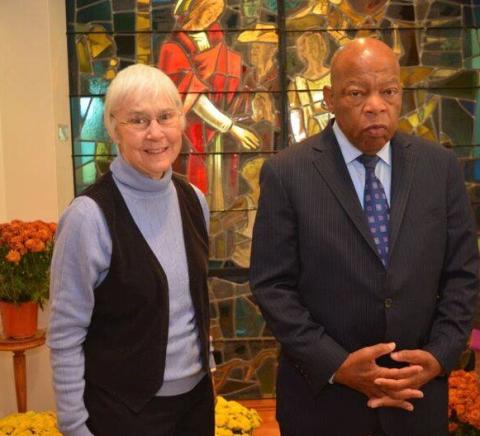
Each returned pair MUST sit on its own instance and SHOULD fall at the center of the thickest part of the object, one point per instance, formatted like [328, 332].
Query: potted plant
[231, 418]
[25, 254]
[30, 423]
[464, 403]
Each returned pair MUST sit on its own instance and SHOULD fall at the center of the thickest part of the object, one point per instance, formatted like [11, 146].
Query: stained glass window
[263, 64]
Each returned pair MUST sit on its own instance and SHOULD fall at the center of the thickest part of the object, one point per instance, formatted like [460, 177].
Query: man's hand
[394, 387]
[360, 371]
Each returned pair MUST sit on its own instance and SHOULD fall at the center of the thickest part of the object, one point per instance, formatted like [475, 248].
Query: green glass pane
[472, 49]
[226, 318]
[440, 9]
[70, 11]
[100, 12]
[266, 376]
[102, 163]
[85, 175]
[461, 79]
[123, 5]
[76, 117]
[442, 59]
[248, 321]
[125, 46]
[83, 3]
[476, 132]
[403, 12]
[97, 85]
[83, 148]
[81, 161]
[72, 66]
[467, 93]
[124, 22]
[453, 116]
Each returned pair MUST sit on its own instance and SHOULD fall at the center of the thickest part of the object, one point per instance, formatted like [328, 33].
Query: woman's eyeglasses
[141, 123]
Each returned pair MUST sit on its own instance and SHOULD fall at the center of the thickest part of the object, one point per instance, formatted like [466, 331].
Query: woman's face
[310, 48]
[153, 149]
[204, 14]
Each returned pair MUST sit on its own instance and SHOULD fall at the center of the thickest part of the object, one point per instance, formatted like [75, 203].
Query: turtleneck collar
[128, 176]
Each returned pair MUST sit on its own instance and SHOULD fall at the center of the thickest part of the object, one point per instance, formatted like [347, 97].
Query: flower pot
[19, 321]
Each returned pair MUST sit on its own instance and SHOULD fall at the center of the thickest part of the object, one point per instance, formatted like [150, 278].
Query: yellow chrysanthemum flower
[29, 423]
[233, 419]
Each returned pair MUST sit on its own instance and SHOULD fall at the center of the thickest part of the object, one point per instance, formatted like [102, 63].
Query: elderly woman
[129, 319]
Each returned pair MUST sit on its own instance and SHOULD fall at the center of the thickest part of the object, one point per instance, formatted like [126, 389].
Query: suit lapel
[330, 164]
[403, 159]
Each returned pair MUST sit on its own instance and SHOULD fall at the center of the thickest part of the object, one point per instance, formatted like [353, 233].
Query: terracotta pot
[19, 321]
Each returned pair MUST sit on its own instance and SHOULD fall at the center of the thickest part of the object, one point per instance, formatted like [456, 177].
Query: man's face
[366, 97]
[261, 53]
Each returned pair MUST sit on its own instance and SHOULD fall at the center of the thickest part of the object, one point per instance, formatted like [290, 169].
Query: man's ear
[328, 98]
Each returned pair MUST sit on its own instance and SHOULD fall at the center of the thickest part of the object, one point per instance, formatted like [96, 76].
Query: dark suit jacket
[317, 277]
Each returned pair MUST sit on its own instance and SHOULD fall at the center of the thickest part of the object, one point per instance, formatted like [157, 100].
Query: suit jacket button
[388, 303]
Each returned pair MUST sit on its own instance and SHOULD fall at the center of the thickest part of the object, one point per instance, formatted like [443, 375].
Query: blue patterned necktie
[375, 206]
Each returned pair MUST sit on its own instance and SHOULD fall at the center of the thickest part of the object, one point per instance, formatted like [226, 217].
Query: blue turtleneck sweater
[81, 261]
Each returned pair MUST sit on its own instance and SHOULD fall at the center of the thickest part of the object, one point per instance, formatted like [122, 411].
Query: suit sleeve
[274, 276]
[458, 291]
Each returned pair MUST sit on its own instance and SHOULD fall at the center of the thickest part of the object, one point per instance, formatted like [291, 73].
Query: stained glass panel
[263, 64]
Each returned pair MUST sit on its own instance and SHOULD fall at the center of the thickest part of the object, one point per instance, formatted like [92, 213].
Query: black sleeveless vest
[126, 342]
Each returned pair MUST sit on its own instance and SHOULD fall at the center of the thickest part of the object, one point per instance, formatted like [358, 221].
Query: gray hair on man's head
[139, 82]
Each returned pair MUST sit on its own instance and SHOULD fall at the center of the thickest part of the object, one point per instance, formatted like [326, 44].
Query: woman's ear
[115, 136]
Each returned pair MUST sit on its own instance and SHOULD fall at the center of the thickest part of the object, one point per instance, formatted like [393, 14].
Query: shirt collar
[350, 152]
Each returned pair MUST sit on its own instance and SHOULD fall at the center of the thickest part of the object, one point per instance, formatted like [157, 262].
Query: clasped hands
[388, 387]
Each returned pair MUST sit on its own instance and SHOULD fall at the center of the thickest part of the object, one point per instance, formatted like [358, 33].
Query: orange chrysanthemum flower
[13, 256]
[25, 253]
[464, 397]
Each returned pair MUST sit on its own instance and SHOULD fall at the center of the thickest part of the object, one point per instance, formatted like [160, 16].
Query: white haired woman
[129, 322]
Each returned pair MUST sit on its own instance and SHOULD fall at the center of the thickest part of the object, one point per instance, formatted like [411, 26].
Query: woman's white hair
[139, 82]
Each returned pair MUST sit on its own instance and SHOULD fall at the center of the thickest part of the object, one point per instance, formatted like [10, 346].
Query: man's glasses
[141, 123]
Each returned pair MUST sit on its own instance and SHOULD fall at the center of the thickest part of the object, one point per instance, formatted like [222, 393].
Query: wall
[35, 165]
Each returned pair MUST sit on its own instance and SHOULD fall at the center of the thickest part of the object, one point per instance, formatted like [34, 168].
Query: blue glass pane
[93, 128]
[87, 148]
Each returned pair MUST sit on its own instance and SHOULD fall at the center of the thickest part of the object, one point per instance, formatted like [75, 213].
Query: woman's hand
[247, 138]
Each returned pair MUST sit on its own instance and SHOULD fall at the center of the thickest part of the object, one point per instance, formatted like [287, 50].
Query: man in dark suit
[364, 264]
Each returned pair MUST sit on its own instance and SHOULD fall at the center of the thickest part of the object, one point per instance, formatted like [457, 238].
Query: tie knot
[370, 162]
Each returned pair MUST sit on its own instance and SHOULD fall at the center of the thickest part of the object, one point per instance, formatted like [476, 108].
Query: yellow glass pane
[110, 74]
[98, 43]
[441, 22]
[414, 120]
[443, 73]
[142, 21]
[412, 75]
[143, 45]
[83, 56]
[426, 132]
[405, 126]
[427, 108]
[143, 59]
